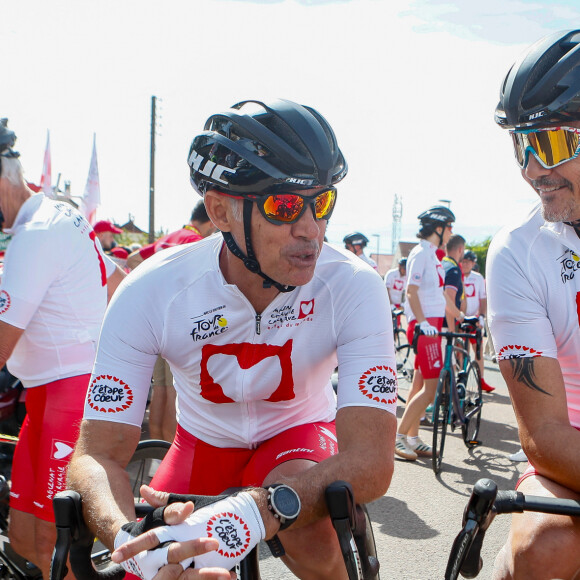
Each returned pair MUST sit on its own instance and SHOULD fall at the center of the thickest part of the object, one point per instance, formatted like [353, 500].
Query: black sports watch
[284, 504]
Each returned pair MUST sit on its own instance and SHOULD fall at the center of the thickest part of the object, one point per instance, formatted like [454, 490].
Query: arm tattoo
[523, 371]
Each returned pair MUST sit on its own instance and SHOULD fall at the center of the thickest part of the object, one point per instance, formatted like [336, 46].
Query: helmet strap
[249, 260]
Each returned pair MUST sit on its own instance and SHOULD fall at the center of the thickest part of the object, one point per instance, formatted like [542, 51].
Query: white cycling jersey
[425, 270]
[396, 284]
[474, 289]
[54, 287]
[534, 292]
[368, 261]
[241, 378]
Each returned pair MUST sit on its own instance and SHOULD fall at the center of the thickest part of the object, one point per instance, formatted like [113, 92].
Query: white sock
[412, 440]
[400, 435]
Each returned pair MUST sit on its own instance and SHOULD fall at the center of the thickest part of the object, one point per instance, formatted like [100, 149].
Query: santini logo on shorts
[232, 533]
[108, 394]
[4, 301]
[516, 351]
[379, 384]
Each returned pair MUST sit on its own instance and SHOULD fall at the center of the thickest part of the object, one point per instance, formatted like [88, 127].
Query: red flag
[46, 178]
[92, 195]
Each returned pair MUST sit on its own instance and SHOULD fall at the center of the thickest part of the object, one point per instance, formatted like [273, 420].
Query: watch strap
[276, 547]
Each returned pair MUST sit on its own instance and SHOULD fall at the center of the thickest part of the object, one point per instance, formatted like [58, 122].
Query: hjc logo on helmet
[209, 169]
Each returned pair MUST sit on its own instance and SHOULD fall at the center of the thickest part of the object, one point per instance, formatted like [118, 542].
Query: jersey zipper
[258, 323]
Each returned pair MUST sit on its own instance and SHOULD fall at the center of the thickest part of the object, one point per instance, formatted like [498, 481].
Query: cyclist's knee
[546, 545]
[303, 547]
[21, 533]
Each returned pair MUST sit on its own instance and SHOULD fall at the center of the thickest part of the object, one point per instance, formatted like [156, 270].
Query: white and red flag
[91, 198]
[46, 178]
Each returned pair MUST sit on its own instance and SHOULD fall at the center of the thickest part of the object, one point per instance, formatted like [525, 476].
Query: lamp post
[378, 236]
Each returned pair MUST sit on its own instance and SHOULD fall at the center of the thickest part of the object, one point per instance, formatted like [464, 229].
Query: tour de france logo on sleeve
[570, 264]
[232, 533]
[108, 394]
[516, 351]
[379, 384]
[4, 301]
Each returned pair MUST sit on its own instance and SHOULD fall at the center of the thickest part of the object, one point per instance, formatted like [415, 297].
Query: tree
[480, 249]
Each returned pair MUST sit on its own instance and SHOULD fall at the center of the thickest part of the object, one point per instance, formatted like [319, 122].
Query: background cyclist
[427, 304]
[533, 288]
[356, 243]
[396, 281]
[253, 326]
[53, 297]
[476, 303]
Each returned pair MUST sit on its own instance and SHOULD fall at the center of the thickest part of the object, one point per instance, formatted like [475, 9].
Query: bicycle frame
[456, 415]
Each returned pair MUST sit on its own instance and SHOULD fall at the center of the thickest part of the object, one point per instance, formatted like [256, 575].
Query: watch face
[286, 502]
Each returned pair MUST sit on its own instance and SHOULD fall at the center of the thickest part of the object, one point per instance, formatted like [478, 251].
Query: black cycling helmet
[7, 141]
[7, 137]
[543, 86]
[258, 147]
[356, 238]
[437, 215]
[434, 217]
[471, 256]
[403, 262]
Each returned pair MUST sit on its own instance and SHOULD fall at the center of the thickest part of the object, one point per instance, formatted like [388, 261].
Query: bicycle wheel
[405, 358]
[472, 405]
[144, 463]
[370, 540]
[400, 337]
[440, 418]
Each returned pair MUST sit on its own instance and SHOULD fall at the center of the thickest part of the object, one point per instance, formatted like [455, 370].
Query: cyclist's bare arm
[450, 308]
[97, 472]
[415, 302]
[483, 306]
[366, 440]
[134, 259]
[113, 281]
[536, 388]
[9, 336]
[450, 294]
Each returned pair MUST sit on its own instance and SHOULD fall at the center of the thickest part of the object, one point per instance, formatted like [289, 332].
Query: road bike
[351, 523]
[399, 333]
[484, 504]
[458, 399]
[141, 467]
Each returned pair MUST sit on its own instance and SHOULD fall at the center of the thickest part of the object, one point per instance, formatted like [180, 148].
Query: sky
[409, 87]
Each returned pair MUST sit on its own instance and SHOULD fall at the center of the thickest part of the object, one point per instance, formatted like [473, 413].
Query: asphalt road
[416, 521]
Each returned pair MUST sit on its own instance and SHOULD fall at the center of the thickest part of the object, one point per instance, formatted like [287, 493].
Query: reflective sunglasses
[551, 146]
[287, 208]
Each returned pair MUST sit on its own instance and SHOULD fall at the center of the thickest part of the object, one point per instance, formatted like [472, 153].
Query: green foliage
[125, 239]
[480, 249]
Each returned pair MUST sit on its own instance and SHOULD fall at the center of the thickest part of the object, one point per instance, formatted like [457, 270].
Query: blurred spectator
[199, 227]
[453, 276]
[106, 232]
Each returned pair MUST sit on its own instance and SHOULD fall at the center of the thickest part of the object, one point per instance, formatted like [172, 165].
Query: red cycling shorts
[428, 358]
[46, 441]
[192, 466]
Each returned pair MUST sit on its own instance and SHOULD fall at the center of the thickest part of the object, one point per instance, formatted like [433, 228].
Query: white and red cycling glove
[234, 521]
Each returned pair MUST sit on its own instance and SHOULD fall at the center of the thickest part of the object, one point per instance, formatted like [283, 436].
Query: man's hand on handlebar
[169, 538]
